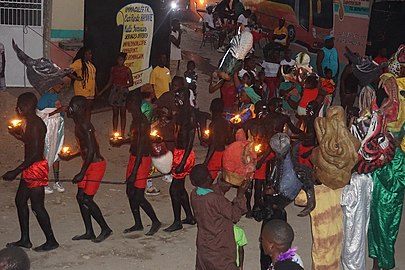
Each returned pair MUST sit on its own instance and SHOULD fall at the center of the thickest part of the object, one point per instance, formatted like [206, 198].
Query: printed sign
[137, 20]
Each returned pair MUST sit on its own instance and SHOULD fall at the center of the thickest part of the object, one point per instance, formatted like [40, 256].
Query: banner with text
[137, 20]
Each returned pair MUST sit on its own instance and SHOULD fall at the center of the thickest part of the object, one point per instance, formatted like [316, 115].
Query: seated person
[212, 23]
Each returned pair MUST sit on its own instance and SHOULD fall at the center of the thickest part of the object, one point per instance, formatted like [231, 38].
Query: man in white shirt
[287, 61]
[243, 19]
[2, 68]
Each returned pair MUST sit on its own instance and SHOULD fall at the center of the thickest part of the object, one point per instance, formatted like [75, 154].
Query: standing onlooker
[280, 33]
[328, 57]
[175, 50]
[271, 68]
[147, 106]
[160, 77]
[215, 216]
[349, 86]
[238, 8]
[276, 239]
[227, 91]
[84, 76]
[287, 61]
[120, 80]
[50, 110]
[2, 68]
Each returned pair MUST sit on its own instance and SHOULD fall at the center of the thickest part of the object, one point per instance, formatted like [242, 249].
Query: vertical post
[47, 24]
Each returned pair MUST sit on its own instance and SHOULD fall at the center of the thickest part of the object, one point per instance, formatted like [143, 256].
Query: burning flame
[66, 149]
[116, 136]
[154, 133]
[207, 132]
[15, 123]
[258, 148]
[236, 119]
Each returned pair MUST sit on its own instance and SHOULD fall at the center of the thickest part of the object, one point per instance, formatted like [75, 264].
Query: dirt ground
[132, 251]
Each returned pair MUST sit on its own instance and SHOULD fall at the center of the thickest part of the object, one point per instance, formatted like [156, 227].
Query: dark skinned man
[139, 165]
[34, 173]
[183, 160]
[220, 134]
[91, 173]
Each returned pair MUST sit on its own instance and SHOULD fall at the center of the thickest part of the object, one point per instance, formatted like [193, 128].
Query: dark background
[103, 36]
[387, 26]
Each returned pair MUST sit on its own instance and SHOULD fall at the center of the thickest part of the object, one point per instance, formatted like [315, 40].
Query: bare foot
[135, 228]
[174, 227]
[189, 221]
[103, 235]
[20, 243]
[86, 236]
[47, 247]
[154, 229]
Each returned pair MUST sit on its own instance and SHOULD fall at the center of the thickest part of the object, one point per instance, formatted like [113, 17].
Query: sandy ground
[133, 251]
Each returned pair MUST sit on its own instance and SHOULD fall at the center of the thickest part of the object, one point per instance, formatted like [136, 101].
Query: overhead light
[173, 5]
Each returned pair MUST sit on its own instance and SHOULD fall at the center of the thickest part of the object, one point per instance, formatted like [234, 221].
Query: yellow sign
[137, 21]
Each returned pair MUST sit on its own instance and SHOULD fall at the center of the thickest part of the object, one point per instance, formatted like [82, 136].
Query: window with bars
[21, 12]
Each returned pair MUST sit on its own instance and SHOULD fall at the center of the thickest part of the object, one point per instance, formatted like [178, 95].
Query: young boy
[276, 239]
[49, 108]
[139, 165]
[93, 168]
[215, 215]
[160, 77]
[220, 134]
[191, 79]
[34, 173]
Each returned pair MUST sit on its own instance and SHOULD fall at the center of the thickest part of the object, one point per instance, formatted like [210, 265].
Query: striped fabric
[327, 229]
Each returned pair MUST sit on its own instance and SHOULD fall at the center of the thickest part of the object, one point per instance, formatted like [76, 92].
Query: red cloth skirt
[39, 170]
[215, 164]
[260, 174]
[95, 173]
[143, 170]
[305, 161]
[177, 157]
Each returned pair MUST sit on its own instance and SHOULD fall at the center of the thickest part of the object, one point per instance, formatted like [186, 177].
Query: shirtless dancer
[93, 169]
[220, 135]
[33, 166]
[183, 160]
[139, 165]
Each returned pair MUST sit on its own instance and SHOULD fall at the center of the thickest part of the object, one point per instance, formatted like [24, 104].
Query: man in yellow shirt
[85, 74]
[160, 77]
[280, 33]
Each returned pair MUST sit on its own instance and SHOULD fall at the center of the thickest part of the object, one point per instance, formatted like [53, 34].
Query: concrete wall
[67, 19]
